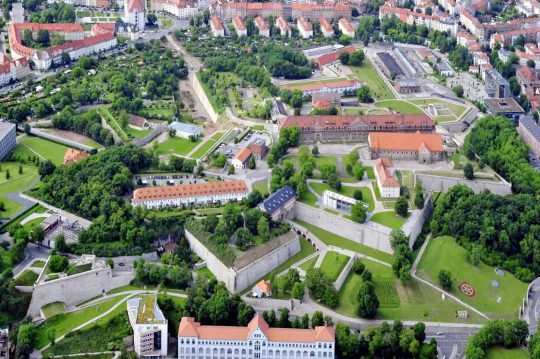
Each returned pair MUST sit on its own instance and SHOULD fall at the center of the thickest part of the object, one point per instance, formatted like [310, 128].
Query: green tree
[317, 319]
[356, 58]
[364, 94]
[344, 57]
[230, 171]
[151, 19]
[252, 163]
[468, 171]
[418, 196]
[358, 213]
[458, 90]
[20, 169]
[402, 206]
[357, 195]
[110, 262]
[297, 291]
[358, 171]
[51, 335]
[7, 174]
[315, 149]
[445, 279]
[263, 228]
[283, 321]
[359, 267]
[60, 243]
[368, 303]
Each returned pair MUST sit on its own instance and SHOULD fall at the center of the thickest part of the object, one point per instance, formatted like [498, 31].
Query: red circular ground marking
[467, 289]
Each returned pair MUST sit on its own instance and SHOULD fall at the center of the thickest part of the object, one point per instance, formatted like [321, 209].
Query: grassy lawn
[33, 222]
[503, 353]
[52, 309]
[333, 263]
[297, 84]
[136, 133]
[341, 242]
[205, 271]
[309, 199]
[22, 152]
[38, 264]
[46, 149]
[319, 160]
[63, 323]
[129, 287]
[16, 183]
[400, 106]
[177, 145]
[346, 191]
[307, 265]
[211, 210]
[92, 143]
[203, 149]
[397, 302]
[26, 278]
[366, 73]
[445, 253]
[388, 219]
[262, 186]
[369, 172]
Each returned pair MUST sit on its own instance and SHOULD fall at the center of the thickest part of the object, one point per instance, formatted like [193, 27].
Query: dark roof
[532, 127]
[503, 105]
[278, 199]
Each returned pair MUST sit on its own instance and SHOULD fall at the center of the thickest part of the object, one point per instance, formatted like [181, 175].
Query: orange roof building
[421, 147]
[326, 29]
[241, 159]
[262, 289]
[190, 194]
[256, 340]
[72, 156]
[388, 184]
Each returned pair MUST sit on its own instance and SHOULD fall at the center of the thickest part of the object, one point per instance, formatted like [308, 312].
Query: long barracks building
[355, 128]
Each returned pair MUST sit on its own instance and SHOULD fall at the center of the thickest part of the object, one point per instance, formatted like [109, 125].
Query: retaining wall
[434, 183]
[64, 141]
[414, 228]
[344, 273]
[158, 130]
[199, 91]
[77, 288]
[370, 234]
[238, 280]
[104, 124]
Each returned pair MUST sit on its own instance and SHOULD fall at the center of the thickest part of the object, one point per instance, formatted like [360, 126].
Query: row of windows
[264, 354]
[264, 343]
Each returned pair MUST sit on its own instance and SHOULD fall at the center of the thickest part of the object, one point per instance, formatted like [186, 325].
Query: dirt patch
[72, 136]
[191, 102]
[251, 255]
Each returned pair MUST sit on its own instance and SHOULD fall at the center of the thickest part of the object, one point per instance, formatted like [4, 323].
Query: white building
[261, 24]
[185, 130]
[149, 327]
[305, 28]
[284, 28]
[341, 87]
[326, 29]
[338, 201]
[257, 340]
[180, 8]
[239, 26]
[8, 138]
[241, 160]
[388, 184]
[135, 13]
[190, 194]
[346, 28]
[216, 27]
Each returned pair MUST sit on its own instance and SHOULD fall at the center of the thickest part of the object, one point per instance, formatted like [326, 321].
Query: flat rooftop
[148, 311]
[503, 105]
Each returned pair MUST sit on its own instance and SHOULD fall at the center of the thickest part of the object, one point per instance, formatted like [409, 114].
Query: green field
[177, 145]
[309, 199]
[503, 353]
[389, 219]
[16, 183]
[338, 241]
[207, 211]
[383, 281]
[26, 278]
[319, 160]
[38, 264]
[456, 109]
[297, 84]
[333, 263]
[400, 106]
[262, 186]
[63, 323]
[33, 222]
[207, 145]
[415, 301]
[136, 133]
[445, 253]
[366, 73]
[307, 265]
[52, 309]
[46, 149]
[22, 152]
[346, 191]
[205, 271]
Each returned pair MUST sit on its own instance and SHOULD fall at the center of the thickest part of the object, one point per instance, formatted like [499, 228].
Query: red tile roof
[382, 165]
[332, 56]
[189, 190]
[238, 23]
[264, 286]
[306, 25]
[216, 24]
[189, 328]
[346, 24]
[283, 24]
[72, 156]
[399, 141]
[261, 23]
[382, 121]
[243, 155]
[326, 25]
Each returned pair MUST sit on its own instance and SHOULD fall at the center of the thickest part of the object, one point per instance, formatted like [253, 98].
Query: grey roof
[5, 128]
[408, 82]
[278, 199]
[184, 127]
[532, 127]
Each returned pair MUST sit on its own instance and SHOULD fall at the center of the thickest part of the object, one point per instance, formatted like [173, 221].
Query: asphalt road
[31, 252]
[450, 345]
[534, 306]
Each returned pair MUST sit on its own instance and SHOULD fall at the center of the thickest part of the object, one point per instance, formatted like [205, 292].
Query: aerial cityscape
[294, 179]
